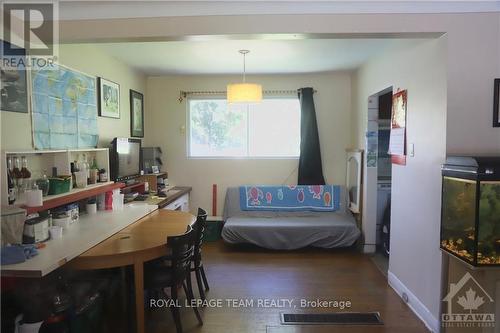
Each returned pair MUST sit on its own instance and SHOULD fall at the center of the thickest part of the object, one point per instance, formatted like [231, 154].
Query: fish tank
[470, 209]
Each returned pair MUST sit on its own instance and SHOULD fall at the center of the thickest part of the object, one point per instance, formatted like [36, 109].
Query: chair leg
[200, 283]
[175, 309]
[188, 288]
[205, 282]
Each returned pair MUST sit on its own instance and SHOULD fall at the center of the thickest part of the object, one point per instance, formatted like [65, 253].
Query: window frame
[247, 157]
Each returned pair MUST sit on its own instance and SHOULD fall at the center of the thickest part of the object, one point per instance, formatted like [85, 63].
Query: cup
[55, 232]
[91, 208]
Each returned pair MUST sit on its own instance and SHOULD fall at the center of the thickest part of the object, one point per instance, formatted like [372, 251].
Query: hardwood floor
[255, 274]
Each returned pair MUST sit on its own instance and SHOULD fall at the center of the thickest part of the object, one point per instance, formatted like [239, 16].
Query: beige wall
[416, 187]
[16, 127]
[166, 117]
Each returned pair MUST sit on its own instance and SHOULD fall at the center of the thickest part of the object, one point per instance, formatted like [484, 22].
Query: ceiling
[266, 56]
[80, 10]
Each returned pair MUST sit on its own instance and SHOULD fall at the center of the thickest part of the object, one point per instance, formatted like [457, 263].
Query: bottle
[94, 172]
[16, 172]
[10, 182]
[25, 173]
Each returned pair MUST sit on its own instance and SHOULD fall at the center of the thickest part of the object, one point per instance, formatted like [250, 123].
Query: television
[125, 159]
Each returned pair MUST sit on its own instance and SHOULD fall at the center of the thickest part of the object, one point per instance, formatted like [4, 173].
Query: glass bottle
[25, 173]
[43, 183]
[17, 168]
[10, 182]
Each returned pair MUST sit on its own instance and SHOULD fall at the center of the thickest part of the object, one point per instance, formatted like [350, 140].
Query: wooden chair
[197, 262]
[159, 275]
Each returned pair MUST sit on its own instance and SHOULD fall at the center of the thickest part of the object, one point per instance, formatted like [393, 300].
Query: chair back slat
[182, 249]
[199, 230]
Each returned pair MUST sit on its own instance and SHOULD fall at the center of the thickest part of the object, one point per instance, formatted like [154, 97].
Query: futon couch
[287, 230]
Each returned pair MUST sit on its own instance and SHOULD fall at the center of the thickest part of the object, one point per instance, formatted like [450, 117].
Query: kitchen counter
[172, 195]
[79, 237]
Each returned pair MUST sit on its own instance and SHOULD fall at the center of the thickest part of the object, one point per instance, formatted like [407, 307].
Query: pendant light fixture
[244, 92]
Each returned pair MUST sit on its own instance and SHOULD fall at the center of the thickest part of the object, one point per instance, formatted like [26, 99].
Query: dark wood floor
[251, 273]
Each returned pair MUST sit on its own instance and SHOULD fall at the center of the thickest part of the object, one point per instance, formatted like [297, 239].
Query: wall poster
[397, 139]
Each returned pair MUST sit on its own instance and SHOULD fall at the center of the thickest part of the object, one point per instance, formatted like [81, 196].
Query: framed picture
[14, 86]
[109, 98]
[496, 104]
[155, 169]
[136, 114]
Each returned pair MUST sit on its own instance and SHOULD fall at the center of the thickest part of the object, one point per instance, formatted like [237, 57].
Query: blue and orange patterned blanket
[290, 198]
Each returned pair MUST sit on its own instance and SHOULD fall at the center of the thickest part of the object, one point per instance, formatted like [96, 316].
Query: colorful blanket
[290, 198]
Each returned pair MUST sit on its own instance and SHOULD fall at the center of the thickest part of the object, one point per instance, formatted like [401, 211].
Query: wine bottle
[10, 182]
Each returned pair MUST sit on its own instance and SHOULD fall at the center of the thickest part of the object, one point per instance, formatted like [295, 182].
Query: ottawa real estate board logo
[30, 34]
[466, 304]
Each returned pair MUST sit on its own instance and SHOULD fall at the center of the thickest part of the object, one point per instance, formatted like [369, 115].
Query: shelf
[56, 200]
[51, 151]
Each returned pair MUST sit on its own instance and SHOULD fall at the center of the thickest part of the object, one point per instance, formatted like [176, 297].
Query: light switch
[182, 129]
[411, 149]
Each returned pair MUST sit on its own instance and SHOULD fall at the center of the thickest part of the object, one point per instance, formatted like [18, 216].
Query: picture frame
[14, 86]
[496, 103]
[108, 98]
[136, 114]
[155, 169]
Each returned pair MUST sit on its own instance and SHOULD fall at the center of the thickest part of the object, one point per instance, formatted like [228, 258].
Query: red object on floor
[214, 200]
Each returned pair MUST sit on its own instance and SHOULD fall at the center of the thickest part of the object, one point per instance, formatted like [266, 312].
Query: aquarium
[470, 210]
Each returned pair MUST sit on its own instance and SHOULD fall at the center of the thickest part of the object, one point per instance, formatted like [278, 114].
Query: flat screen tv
[125, 159]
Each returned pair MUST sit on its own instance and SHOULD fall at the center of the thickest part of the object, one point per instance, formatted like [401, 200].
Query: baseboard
[368, 248]
[414, 303]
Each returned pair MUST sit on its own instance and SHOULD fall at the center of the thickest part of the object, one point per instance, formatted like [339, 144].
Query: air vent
[339, 318]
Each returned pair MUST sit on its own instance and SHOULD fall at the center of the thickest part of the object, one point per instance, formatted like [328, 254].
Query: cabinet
[182, 204]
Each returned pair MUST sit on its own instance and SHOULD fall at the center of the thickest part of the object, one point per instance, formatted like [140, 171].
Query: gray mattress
[287, 230]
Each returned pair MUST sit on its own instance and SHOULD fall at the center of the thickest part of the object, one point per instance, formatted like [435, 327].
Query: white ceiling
[266, 56]
[78, 10]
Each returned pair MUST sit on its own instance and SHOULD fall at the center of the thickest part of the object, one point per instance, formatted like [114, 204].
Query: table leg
[139, 295]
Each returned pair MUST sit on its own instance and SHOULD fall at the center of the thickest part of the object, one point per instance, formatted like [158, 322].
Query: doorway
[378, 174]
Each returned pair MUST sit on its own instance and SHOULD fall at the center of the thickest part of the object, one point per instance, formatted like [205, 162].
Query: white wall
[415, 215]
[166, 116]
[87, 58]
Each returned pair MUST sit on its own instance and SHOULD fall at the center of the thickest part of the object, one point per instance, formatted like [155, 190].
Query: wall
[166, 116]
[88, 58]
[415, 214]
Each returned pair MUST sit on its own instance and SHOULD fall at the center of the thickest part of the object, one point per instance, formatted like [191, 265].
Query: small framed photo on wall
[109, 98]
[496, 104]
[136, 114]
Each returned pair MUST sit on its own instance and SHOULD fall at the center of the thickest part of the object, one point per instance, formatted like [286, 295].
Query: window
[270, 129]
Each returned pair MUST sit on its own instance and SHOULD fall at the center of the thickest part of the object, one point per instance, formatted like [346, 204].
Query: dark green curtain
[310, 166]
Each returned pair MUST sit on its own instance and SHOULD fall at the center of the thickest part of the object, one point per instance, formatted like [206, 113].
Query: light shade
[244, 93]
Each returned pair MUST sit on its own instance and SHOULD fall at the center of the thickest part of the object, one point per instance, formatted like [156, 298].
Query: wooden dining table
[142, 241]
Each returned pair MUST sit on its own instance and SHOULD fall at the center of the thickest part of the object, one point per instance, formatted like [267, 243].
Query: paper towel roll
[34, 198]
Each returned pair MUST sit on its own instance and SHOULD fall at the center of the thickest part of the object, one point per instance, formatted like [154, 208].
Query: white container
[34, 198]
[81, 179]
[63, 221]
[118, 201]
[91, 208]
[56, 232]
